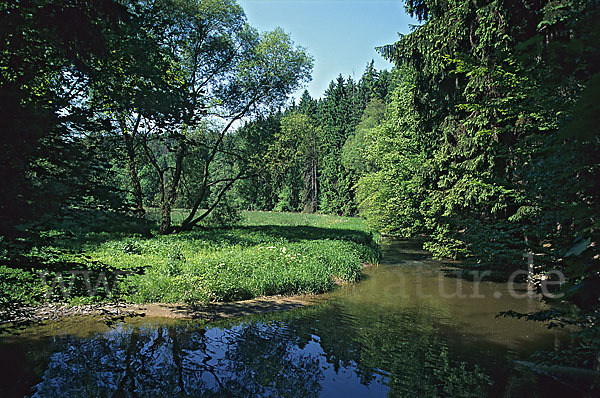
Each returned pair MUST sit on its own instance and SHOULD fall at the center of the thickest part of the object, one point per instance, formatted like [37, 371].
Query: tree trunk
[134, 176]
[168, 196]
[165, 217]
[128, 137]
[310, 187]
[190, 222]
[315, 187]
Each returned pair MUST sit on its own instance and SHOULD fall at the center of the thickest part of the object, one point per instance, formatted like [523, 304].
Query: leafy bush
[19, 287]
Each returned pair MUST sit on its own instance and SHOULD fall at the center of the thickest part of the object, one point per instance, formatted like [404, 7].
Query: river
[405, 330]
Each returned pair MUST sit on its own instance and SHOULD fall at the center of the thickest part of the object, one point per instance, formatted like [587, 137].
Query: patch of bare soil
[211, 311]
[214, 311]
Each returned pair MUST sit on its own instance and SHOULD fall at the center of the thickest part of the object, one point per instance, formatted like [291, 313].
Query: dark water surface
[405, 331]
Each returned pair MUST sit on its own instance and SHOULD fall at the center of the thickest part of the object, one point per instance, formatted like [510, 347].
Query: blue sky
[340, 34]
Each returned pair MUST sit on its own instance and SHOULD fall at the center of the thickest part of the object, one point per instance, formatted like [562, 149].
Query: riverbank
[398, 323]
[182, 311]
[269, 254]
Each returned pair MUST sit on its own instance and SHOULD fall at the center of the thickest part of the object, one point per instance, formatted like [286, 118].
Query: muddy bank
[205, 311]
[214, 311]
[210, 311]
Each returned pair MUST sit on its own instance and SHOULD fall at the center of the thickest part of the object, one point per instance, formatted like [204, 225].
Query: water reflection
[318, 351]
[357, 342]
[298, 357]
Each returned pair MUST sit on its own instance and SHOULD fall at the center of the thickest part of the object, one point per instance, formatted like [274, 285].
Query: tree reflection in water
[304, 353]
[250, 360]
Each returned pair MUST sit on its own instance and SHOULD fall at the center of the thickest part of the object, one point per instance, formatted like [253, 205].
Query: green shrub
[19, 287]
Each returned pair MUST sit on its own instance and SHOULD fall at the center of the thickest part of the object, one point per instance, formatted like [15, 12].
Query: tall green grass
[268, 254]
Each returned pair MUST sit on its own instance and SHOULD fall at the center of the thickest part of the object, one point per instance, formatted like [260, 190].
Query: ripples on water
[393, 334]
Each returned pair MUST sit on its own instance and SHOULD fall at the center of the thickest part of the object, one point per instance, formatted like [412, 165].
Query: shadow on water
[366, 339]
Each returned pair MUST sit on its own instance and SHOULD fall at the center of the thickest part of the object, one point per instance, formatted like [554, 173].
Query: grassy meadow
[266, 254]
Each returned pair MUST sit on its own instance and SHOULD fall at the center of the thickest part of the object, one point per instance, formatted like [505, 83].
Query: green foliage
[19, 287]
[316, 153]
[269, 254]
[354, 151]
[225, 214]
[339, 114]
[489, 145]
[254, 140]
[295, 155]
[47, 65]
[392, 190]
[465, 134]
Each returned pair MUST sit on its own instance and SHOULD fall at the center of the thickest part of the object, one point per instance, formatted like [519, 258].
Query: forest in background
[483, 138]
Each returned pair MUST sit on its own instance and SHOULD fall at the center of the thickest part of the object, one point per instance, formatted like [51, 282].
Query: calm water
[404, 331]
